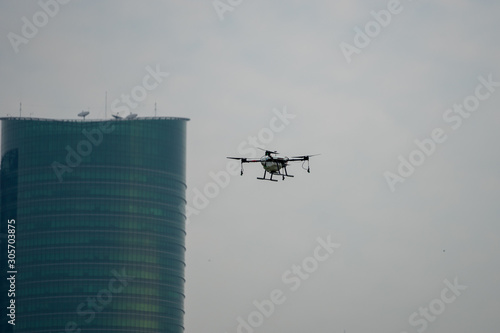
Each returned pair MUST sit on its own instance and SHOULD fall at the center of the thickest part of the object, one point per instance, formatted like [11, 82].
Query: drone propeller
[305, 157]
[268, 152]
[242, 159]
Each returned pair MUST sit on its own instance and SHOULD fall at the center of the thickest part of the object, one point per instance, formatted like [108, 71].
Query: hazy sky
[396, 228]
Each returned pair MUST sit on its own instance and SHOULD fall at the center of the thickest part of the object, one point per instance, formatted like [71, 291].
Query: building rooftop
[93, 120]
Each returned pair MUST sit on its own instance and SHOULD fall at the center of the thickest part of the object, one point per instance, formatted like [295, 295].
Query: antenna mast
[20, 108]
[155, 109]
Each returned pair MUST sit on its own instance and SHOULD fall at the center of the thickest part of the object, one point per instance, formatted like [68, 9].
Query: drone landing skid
[270, 179]
[272, 174]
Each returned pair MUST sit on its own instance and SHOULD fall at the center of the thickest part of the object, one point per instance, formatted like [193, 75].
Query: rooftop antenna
[83, 114]
[116, 116]
[155, 109]
[131, 116]
[20, 108]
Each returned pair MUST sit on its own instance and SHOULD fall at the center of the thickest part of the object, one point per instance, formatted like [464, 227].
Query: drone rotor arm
[302, 158]
[243, 160]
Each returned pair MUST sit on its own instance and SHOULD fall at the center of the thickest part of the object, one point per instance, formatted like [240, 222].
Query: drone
[273, 164]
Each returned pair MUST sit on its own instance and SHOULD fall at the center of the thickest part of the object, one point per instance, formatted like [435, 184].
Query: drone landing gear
[286, 174]
[270, 178]
[283, 175]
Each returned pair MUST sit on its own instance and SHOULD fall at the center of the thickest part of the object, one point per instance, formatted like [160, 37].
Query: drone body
[273, 164]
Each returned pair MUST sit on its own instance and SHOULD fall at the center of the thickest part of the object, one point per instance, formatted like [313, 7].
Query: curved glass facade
[99, 224]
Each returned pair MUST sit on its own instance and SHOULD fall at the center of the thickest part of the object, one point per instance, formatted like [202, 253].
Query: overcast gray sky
[400, 98]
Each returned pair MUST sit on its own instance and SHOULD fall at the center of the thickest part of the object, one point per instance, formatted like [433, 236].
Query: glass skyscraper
[93, 225]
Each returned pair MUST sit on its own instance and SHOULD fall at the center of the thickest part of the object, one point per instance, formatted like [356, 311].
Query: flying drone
[274, 164]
